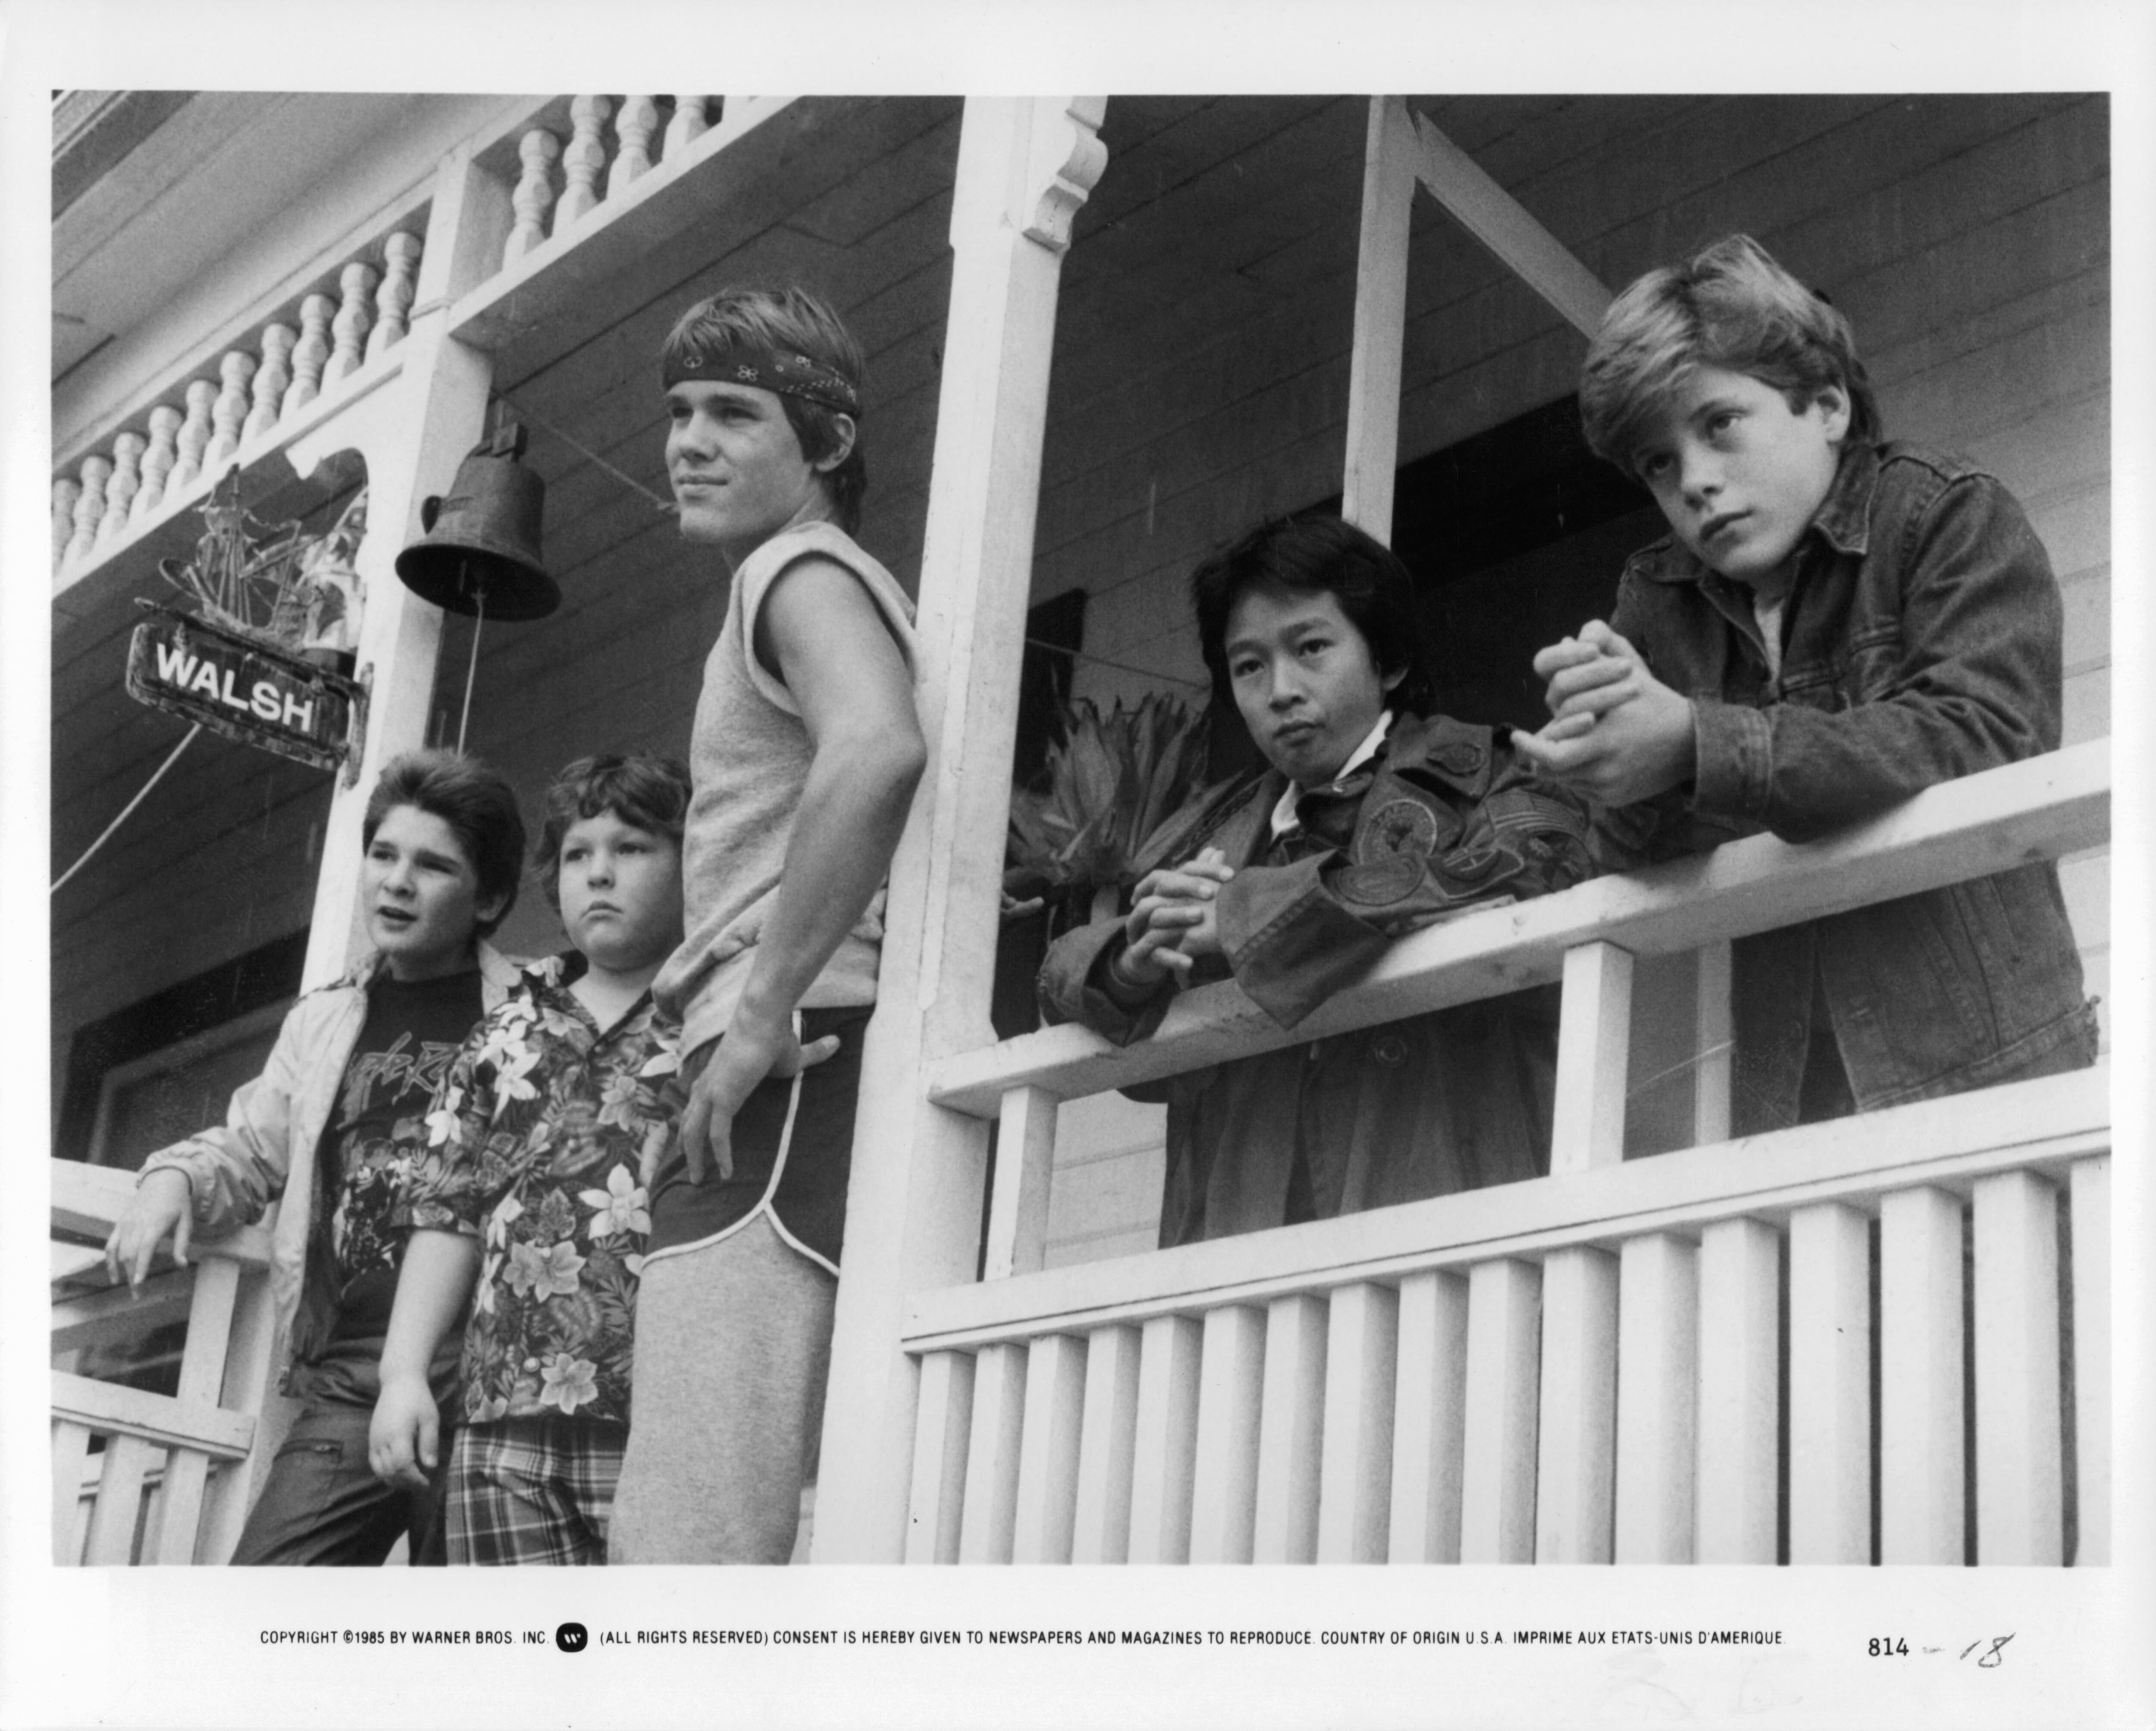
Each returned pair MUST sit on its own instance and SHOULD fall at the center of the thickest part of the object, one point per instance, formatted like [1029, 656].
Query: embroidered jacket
[1445, 817]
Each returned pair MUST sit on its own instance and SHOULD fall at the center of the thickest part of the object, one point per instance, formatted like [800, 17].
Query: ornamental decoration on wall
[261, 648]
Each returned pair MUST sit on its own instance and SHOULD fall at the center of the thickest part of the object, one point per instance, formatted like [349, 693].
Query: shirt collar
[1285, 820]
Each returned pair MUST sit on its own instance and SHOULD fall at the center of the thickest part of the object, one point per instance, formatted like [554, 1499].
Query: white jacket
[263, 1153]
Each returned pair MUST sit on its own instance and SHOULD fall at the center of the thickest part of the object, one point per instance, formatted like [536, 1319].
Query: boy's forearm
[852, 813]
[438, 1272]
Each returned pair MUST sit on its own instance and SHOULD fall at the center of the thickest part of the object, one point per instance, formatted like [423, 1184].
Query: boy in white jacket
[353, 1062]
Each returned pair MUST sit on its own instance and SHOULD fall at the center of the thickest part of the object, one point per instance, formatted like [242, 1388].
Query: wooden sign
[243, 687]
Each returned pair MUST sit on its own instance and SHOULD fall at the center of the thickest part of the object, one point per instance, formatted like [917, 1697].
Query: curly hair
[651, 793]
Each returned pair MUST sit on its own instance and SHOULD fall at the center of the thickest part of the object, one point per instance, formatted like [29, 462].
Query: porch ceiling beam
[1501, 224]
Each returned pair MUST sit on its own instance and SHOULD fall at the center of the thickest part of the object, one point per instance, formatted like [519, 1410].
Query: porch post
[913, 1217]
[411, 435]
[1381, 303]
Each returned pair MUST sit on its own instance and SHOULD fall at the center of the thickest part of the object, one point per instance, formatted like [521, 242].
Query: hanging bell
[480, 551]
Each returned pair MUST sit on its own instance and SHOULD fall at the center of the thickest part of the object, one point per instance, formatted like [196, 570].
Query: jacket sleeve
[1071, 985]
[1971, 680]
[1295, 935]
[237, 1169]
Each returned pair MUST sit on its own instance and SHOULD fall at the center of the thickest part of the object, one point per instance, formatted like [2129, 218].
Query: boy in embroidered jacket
[1833, 624]
[324, 1132]
[534, 1181]
[1374, 815]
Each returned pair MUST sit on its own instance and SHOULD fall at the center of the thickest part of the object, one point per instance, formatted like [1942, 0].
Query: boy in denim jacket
[1833, 624]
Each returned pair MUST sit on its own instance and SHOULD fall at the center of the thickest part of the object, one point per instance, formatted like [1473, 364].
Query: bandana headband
[789, 374]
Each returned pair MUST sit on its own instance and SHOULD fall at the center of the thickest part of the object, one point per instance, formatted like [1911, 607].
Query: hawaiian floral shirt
[539, 1148]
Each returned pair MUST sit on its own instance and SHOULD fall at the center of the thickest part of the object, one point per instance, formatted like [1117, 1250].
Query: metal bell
[480, 552]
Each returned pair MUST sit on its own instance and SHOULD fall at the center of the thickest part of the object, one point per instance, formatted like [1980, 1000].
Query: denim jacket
[1444, 818]
[1921, 642]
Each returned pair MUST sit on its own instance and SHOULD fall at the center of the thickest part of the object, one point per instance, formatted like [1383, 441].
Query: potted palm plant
[1111, 781]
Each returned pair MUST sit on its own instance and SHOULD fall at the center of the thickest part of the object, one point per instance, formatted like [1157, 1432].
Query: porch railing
[1743, 1351]
[141, 1477]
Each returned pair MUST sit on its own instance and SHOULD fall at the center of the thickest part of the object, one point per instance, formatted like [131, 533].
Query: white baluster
[688, 122]
[1429, 1415]
[1107, 1442]
[157, 461]
[120, 491]
[2090, 1199]
[310, 354]
[1576, 1443]
[988, 1522]
[355, 313]
[1164, 1450]
[1291, 1430]
[271, 380]
[2018, 1428]
[943, 1427]
[1740, 1263]
[65, 492]
[1831, 1385]
[632, 126]
[1223, 1488]
[1362, 1356]
[1497, 1466]
[230, 411]
[89, 506]
[1920, 1377]
[393, 301]
[193, 436]
[1657, 1398]
[584, 159]
[534, 194]
[1046, 1510]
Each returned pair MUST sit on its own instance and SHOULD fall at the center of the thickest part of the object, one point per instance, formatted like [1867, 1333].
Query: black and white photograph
[1351, 807]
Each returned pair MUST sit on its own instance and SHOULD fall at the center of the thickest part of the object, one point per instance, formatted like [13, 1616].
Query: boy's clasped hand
[1617, 734]
[1174, 919]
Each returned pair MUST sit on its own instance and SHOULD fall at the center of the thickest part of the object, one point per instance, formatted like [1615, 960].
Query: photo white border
[173, 1647]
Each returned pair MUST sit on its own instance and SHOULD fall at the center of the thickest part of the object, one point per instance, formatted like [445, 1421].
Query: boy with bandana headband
[804, 755]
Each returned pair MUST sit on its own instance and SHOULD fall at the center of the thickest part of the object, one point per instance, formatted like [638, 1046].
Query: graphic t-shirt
[393, 1080]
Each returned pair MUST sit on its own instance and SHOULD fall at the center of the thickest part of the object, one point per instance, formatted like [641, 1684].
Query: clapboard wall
[1201, 377]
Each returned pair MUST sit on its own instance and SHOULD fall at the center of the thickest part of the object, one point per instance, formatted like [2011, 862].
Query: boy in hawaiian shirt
[533, 1184]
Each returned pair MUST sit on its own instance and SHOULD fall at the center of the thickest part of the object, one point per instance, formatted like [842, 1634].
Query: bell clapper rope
[471, 672]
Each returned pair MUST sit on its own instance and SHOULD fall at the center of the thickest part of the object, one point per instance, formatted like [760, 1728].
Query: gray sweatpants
[733, 1344]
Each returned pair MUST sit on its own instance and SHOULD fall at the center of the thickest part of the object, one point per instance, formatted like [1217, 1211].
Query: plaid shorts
[532, 1490]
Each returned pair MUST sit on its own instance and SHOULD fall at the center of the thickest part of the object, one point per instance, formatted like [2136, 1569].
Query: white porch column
[412, 437]
[411, 434]
[913, 1217]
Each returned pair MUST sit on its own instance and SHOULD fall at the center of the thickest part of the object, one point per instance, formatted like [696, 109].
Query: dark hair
[478, 807]
[649, 793]
[1728, 305]
[795, 320]
[1310, 553]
